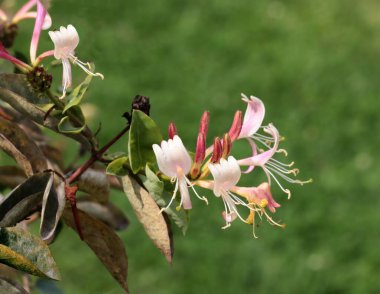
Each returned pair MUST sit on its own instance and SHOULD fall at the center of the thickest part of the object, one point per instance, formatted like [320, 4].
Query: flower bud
[200, 154]
[236, 125]
[141, 103]
[172, 131]
[217, 151]
[227, 146]
[205, 119]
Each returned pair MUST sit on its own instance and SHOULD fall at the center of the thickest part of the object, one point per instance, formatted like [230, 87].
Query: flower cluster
[214, 168]
[65, 40]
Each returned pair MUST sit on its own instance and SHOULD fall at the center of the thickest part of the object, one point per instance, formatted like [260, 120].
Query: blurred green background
[315, 64]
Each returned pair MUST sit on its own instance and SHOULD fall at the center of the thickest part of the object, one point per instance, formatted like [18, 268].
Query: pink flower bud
[217, 151]
[236, 125]
[200, 154]
[227, 146]
[205, 119]
[172, 130]
[200, 151]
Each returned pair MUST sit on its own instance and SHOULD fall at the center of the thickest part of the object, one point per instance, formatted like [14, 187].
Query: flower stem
[97, 155]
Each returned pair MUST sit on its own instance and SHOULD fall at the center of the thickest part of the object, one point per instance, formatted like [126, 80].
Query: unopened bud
[200, 154]
[200, 151]
[217, 151]
[172, 131]
[141, 103]
[205, 119]
[227, 146]
[236, 125]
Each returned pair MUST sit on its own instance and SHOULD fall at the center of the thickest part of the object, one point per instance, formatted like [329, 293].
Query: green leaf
[118, 167]
[156, 189]
[53, 204]
[25, 252]
[66, 126]
[23, 200]
[77, 94]
[143, 134]
[19, 84]
[148, 213]
[105, 243]
[15, 142]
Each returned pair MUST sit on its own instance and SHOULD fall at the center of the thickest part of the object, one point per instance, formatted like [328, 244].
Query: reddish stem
[71, 191]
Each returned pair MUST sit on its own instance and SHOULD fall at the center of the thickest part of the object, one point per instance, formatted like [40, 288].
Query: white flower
[65, 42]
[175, 162]
[226, 175]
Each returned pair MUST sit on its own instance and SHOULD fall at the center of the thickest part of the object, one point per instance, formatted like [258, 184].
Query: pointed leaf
[25, 252]
[104, 242]
[68, 127]
[148, 213]
[17, 144]
[118, 167]
[156, 188]
[143, 134]
[53, 204]
[23, 200]
[77, 94]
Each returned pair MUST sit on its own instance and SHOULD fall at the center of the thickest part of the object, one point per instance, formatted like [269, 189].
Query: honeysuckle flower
[175, 162]
[260, 196]
[253, 117]
[65, 42]
[226, 175]
[271, 166]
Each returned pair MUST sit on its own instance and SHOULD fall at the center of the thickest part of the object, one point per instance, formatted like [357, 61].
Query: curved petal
[23, 10]
[47, 22]
[3, 16]
[262, 158]
[253, 116]
[41, 13]
[184, 191]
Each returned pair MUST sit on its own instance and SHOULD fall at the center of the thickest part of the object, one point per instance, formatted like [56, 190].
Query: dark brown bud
[141, 103]
[8, 33]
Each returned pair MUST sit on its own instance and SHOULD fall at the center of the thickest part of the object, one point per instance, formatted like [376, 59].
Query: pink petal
[41, 13]
[262, 158]
[253, 117]
[185, 197]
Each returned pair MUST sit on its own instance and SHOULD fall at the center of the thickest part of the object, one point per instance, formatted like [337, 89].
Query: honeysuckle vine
[156, 173]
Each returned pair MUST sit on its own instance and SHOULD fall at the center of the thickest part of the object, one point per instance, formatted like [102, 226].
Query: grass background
[315, 64]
